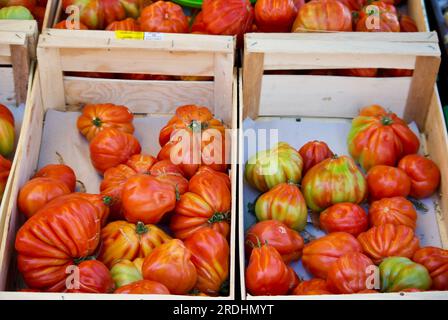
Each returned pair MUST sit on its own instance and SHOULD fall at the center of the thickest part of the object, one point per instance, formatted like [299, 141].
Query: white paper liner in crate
[334, 132]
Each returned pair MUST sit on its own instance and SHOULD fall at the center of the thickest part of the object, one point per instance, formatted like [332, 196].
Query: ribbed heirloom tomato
[312, 287]
[143, 287]
[94, 277]
[387, 182]
[210, 255]
[314, 152]
[275, 15]
[7, 134]
[97, 117]
[436, 261]
[171, 265]
[284, 203]
[60, 172]
[354, 5]
[125, 271]
[346, 217]
[396, 210]
[69, 26]
[400, 273]
[5, 167]
[207, 203]
[127, 24]
[164, 16]
[388, 240]
[286, 241]
[124, 240]
[386, 21]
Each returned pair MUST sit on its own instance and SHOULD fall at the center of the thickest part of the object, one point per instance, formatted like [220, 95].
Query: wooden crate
[99, 51]
[414, 98]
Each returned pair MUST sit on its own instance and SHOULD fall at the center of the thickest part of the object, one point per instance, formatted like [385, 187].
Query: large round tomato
[128, 24]
[400, 273]
[424, 174]
[323, 15]
[350, 273]
[436, 261]
[319, 254]
[378, 137]
[193, 137]
[378, 17]
[60, 172]
[124, 240]
[7, 134]
[396, 210]
[210, 253]
[171, 265]
[5, 168]
[112, 147]
[36, 193]
[284, 203]
[97, 117]
[94, 277]
[286, 241]
[67, 233]
[388, 240]
[387, 182]
[312, 287]
[314, 152]
[345, 217]
[267, 274]
[124, 272]
[275, 15]
[268, 168]
[207, 203]
[143, 287]
[164, 16]
[332, 181]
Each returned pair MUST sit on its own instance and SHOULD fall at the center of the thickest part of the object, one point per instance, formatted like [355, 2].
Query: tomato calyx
[97, 122]
[386, 121]
[108, 200]
[420, 206]
[77, 261]
[197, 126]
[224, 289]
[140, 228]
[219, 217]
[177, 193]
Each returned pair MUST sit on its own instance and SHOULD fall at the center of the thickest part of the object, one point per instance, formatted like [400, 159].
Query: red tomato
[360, 72]
[143, 287]
[424, 175]
[286, 241]
[146, 199]
[39, 14]
[112, 147]
[294, 279]
[127, 24]
[94, 277]
[396, 210]
[266, 273]
[210, 253]
[396, 72]
[345, 217]
[323, 15]
[275, 15]
[407, 24]
[141, 163]
[164, 16]
[50, 242]
[207, 203]
[436, 261]
[350, 273]
[387, 182]
[60, 172]
[314, 152]
[36, 193]
[312, 287]
[354, 5]
[63, 25]
[388, 240]
[171, 265]
[97, 117]
[6, 114]
[198, 25]
[5, 167]
[387, 20]
[319, 254]
[7, 134]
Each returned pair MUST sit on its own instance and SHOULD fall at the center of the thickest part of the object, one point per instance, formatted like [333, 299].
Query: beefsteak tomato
[435, 260]
[344, 217]
[396, 210]
[275, 15]
[354, 5]
[164, 16]
[314, 152]
[6, 114]
[94, 277]
[124, 272]
[378, 17]
[143, 287]
[387, 182]
[60, 172]
[5, 168]
[312, 287]
[128, 24]
[400, 273]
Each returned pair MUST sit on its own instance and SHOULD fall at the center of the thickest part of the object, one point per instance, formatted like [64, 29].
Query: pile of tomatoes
[153, 228]
[368, 248]
[6, 145]
[24, 9]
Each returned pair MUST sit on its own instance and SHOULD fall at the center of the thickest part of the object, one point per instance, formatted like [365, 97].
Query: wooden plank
[417, 10]
[13, 38]
[223, 86]
[5, 60]
[132, 60]
[27, 26]
[140, 96]
[51, 77]
[7, 93]
[421, 89]
[5, 50]
[21, 69]
[252, 82]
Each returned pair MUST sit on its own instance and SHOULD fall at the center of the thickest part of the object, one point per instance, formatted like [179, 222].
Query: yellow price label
[133, 35]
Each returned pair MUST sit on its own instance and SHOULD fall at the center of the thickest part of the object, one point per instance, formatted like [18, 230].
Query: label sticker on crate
[153, 36]
[137, 35]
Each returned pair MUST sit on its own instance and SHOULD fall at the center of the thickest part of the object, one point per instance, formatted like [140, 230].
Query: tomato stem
[219, 217]
[77, 261]
[97, 122]
[107, 200]
[140, 228]
[386, 121]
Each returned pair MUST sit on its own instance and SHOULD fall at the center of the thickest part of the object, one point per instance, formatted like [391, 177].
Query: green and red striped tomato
[15, 13]
[332, 181]
[268, 168]
[125, 272]
[6, 131]
[399, 273]
[284, 203]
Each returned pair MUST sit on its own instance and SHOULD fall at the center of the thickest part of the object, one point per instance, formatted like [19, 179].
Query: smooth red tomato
[387, 182]
[396, 210]
[5, 168]
[97, 117]
[350, 273]
[94, 277]
[346, 217]
[171, 265]
[319, 254]
[267, 274]
[63, 25]
[127, 24]
[314, 152]
[436, 261]
[143, 287]
[424, 174]
[388, 240]
[286, 241]
[210, 253]
[164, 16]
[275, 15]
[312, 287]
[60, 172]
[36, 193]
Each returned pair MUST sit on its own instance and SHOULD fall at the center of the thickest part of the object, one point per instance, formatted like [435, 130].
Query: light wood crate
[414, 98]
[99, 51]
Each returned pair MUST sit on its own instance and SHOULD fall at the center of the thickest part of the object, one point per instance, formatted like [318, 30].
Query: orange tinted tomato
[345, 217]
[396, 210]
[127, 24]
[143, 287]
[314, 152]
[312, 287]
[59, 172]
[387, 182]
[436, 261]
[164, 16]
[5, 167]
[275, 15]
[94, 277]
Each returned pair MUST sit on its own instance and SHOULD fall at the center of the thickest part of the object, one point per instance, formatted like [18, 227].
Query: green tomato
[15, 13]
[6, 137]
[399, 273]
[125, 272]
